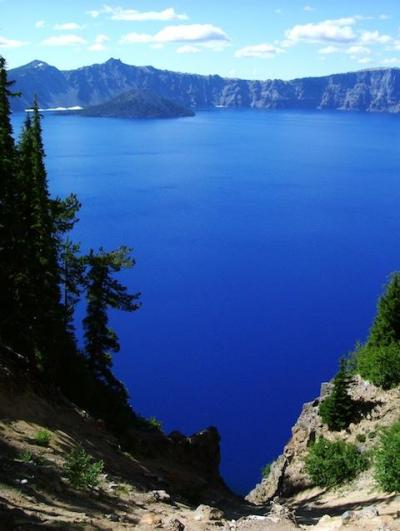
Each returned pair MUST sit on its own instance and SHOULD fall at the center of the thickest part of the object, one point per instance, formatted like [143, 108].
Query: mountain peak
[37, 64]
[112, 61]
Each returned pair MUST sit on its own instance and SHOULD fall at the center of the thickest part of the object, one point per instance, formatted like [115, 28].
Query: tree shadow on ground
[308, 513]
[36, 487]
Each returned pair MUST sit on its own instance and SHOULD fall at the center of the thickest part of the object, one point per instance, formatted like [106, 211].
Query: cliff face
[369, 90]
[288, 477]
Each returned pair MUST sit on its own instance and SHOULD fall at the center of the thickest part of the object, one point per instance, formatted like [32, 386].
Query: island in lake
[137, 103]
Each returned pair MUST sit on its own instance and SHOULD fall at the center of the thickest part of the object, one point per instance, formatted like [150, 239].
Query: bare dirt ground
[139, 492]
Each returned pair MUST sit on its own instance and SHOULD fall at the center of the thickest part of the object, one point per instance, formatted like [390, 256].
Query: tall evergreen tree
[386, 327]
[338, 409]
[104, 292]
[45, 322]
[10, 315]
[72, 277]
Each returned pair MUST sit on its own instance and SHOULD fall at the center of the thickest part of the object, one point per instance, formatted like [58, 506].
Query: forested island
[137, 104]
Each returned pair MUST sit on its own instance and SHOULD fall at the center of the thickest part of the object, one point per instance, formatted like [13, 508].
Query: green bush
[155, 423]
[265, 471]
[338, 409]
[387, 459]
[332, 463]
[42, 438]
[361, 437]
[380, 365]
[26, 456]
[81, 470]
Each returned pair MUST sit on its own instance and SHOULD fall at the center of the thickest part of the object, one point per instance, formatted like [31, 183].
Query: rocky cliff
[288, 479]
[369, 90]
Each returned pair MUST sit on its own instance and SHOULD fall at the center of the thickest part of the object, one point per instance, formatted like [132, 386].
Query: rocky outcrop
[369, 90]
[288, 476]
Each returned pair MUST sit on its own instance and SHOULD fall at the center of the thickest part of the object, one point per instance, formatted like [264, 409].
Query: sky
[251, 39]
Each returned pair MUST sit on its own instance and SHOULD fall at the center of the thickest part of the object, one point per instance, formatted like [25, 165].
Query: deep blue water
[262, 242]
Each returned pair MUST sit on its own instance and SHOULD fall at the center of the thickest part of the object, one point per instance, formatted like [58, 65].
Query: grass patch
[43, 438]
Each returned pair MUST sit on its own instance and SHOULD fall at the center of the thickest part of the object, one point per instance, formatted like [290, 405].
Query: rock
[326, 389]
[112, 517]
[205, 513]
[347, 517]
[156, 496]
[369, 512]
[175, 525]
[327, 523]
[281, 512]
[151, 519]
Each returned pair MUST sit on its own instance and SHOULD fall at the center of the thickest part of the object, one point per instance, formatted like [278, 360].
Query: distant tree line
[43, 275]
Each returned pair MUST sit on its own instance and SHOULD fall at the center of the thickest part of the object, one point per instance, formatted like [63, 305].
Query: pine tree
[10, 270]
[72, 277]
[338, 409]
[45, 321]
[104, 292]
[386, 327]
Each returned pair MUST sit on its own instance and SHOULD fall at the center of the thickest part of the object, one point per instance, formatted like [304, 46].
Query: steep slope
[289, 481]
[149, 481]
[137, 104]
[368, 90]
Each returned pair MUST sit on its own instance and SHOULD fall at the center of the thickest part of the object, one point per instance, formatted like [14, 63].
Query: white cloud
[132, 15]
[40, 24]
[99, 43]
[278, 11]
[391, 61]
[309, 8]
[358, 50]
[328, 50]
[374, 37]
[383, 16]
[335, 31]
[11, 43]
[94, 13]
[186, 33]
[365, 60]
[64, 40]
[263, 51]
[67, 26]
[188, 48]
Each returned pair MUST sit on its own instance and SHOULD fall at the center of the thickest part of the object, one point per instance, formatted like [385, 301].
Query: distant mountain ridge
[376, 90]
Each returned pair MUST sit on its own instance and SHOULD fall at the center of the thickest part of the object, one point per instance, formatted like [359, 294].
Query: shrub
[26, 456]
[265, 471]
[155, 423]
[387, 459]
[81, 470]
[338, 409]
[361, 437]
[380, 365]
[42, 438]
[332, 463]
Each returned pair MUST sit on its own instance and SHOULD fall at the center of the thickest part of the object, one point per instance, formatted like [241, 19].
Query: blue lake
[262, 242]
